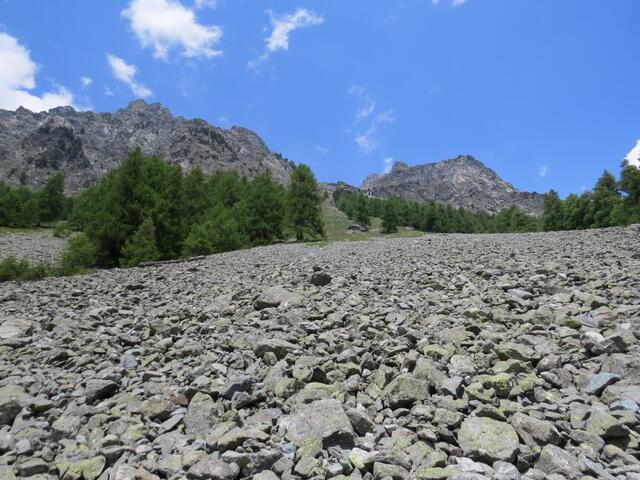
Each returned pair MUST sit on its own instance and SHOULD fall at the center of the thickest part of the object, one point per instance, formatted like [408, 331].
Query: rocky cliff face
[85, 145]
[463, 182]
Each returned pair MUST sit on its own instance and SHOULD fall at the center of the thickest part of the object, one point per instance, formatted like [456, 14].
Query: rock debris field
[444, 356]
[36, 247]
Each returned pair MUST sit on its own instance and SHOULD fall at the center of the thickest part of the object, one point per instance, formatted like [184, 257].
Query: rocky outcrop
[85, 145]
[508, 356]
[462, 182]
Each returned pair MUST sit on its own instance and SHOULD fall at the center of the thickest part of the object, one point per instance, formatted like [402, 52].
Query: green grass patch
[336, 223]
[40, 230]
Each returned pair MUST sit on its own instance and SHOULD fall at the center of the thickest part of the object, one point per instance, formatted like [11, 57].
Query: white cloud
[322, 150]
[126, 73]
[367, 141]
[167, 24]
[388, 164]
[205, 4]
[281, 28]
[368, 103]
[283, 25]
[454, 3]
[633, 157]
[542, 171]
[18, 75]
[86, 81]
[384, 117]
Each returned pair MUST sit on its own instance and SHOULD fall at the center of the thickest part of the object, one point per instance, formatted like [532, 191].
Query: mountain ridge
[85, 145]
[463, 181]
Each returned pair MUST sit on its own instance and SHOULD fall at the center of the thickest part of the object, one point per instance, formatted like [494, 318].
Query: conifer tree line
[431, 217]
[23, 207]
[147, 209]
[611, 203]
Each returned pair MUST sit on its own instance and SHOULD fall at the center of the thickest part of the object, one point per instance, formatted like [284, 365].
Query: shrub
[141, 247]
[12, 268]
[62, 229]
[80, 255]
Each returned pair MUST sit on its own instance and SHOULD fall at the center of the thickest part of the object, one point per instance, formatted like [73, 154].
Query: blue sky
[545, 92]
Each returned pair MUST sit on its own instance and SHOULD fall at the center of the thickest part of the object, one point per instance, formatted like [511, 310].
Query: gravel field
[37, 247]
[443, 356]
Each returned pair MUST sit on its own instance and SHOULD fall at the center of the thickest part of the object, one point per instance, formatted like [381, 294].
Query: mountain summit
[85, 145]
[462, 182]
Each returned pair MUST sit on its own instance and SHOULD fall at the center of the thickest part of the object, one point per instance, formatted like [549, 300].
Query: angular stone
[202, 415]
[280, 348]
[266, 475]
[100, 389]
[599, 382]
[11, 398]
[88, 469]
[324, 420]
[452, 386]
[32, 467]
[158, 408]
[534, 432]
[384, 470]
[555, 460]
[237, 383]
[360, 421]
[213, 470]
[238, 436]
[621, 391]
[489, 440]
[405, 391]
[505, 471]
[15, 328]
[605, 425]
[515, 351]
[275, 297]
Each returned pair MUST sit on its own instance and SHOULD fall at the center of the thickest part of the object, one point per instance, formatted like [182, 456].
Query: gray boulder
[322, 420]
[555, 460]
[485, 439]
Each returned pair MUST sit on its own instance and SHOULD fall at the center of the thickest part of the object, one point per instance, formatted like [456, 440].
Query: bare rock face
[462, 182]
[85, 145]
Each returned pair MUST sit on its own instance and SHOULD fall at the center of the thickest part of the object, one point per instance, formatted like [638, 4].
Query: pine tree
[390, 217]
[261, 212]
[52, 199]
[304, 204]
[605, 197]
[361, 210]
[141, 247]
[553, 216]
[577, 212]
[630, 185]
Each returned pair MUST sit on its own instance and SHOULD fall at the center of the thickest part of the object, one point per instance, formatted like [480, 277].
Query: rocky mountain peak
[85, 145]
[399, 167]
[462, 181]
